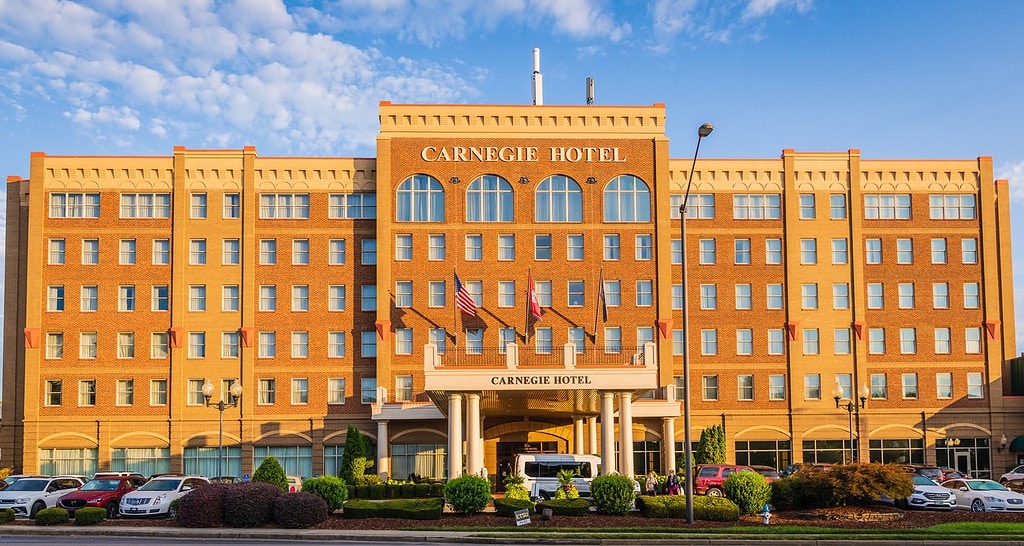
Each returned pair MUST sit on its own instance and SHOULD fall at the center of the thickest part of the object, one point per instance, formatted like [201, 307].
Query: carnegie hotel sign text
[514, 154]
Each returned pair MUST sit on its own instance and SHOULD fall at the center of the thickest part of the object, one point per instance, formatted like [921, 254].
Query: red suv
[708, 478]
[102, 492]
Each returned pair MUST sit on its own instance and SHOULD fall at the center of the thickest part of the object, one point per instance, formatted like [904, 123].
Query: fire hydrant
[766, 514]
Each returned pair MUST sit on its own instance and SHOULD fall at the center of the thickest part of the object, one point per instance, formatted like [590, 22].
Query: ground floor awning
[1017, 444]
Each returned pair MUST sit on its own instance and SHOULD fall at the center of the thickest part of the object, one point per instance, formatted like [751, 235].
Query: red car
[102, 492]
[708, 478]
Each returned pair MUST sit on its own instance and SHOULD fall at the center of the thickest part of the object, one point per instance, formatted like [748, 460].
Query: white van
[540, 472]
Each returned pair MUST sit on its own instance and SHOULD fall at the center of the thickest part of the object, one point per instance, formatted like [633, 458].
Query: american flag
[463, 299]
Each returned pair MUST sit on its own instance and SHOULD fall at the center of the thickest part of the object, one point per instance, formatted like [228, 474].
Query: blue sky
[908, 79]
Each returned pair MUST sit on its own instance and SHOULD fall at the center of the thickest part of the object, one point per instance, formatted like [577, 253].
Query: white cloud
[123, 117]
[1014, 174]
[716, 21]
[760, 8]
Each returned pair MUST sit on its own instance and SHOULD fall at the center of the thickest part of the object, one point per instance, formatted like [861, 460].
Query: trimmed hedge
[421, 490]
[468, 494]
[715, 509]
[749, 490]
[613, 494]
[52, 516]
[299, 510]
[90, 515]
[330, 488]
[6, 515]
[250, 504]
[399, 508]
[437, 490]
[378, 491]
[566, 507]
[203, 507]
[663, 506]
[508, 507]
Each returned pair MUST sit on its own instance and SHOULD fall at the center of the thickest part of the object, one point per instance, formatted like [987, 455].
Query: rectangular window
[336, 252]
[807, 206]
[676, 251]
[198, 209]
[709, 387]
[972, 298]
[403, 247]
[368, 344]
[940, 295]
[837, 206]
[543, 291]
[268, 297]
[74, 205]
[159, 300]
[742, 251]
[944, 385]
[300, 298]
[542, 341]
[709, 342]
[876, 341]
[403, 294]
[677, 342]
[336, 390]
[975, 385]
[87, 392]
[230, 254]
[774, 295]
[611, 247]
[157, 392]
[300, 344]
[436, 294]
[90, 251]
[887, 206]
[910, 385]
[708, 296]
[644, 335]
[436, 247]
[904, 251]
[776, 342]
[58, 251]
[745, 387]
[541, 247]
[368, 297]
[368, 390]
[840, 295]
[873, 251]
[840, 254]
[841, 341]
[879, 389]
[575, 294]
[197, 344]
[161, 251]
[90, 298]
[439, 338]
[474, 248]
[126, 256]
[574, 247]
[809, 296]
[776, 387]
[368, 252]
[197, 297]
[756, 206]
[126, 345]
[55, 298]
[268, 251]
[844, 386]
[644, 293]
[942, 341]
[972, 338]
[507, 248]
[951, 207]
[876, 295]
[268, 344]
[229, 345]
[506, 337]
[232, 205]
[612, 340]
[197, 252]
[229, 298]
[300, 251]
[403, 388]
[506, 293]
[744, 341]
[474, 341]
[707, 251]
[158, 342]
[812, 386]
[403, 341]
[677, 297]
[939, 251]
[267, 392]
[743, 297]
[808, 251]
[284, 205]
[336, 344]
[969, 251]
[812, 343]
[906, 295]
[773, 251]
[698, 206]
[87, 345]
[336, 297]
[644, 250]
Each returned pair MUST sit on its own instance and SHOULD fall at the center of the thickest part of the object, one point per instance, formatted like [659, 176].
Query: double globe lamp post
[851, 408]
[234, 395]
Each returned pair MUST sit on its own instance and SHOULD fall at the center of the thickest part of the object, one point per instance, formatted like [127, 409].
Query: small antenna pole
[538, 81]
[590, 91]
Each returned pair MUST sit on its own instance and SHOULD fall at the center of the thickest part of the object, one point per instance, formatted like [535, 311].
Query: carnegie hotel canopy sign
[522, 154]
[533, 379]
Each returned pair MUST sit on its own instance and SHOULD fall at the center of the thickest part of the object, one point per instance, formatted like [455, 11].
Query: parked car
[225, 479]
[1015, 473]
[1015, 484]
[708, 478]
[798, 468]
[118, 474]
[295, 484]
[155, 497]
[953, 474]
[540, 472]
[928, 494]
[933, 473]
[985, 496]
[30, 494]
[770, 474]
[102, 492]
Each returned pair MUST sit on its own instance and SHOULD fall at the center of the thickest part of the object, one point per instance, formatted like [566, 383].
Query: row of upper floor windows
[809, 296]
[812, 386]
[876, 206]
[359, 205]
[839, 250]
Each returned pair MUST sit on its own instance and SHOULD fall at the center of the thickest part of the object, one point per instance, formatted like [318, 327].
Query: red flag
[463, 299]
[532, 295]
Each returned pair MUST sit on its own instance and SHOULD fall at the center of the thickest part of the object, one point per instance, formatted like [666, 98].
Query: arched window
[420, 199]
[489, 199]
[558, 199]
[627, 199]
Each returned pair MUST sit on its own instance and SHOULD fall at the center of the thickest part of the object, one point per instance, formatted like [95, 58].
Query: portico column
[473, 446]
[480, 454]
[577, 435]
[592, 434]
[454, 436]
[668, 435]
[607, 432]
[383, 462]
[626, 432]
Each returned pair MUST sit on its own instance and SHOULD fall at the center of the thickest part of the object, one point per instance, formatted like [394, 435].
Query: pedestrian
[652, 484]
[673, 482]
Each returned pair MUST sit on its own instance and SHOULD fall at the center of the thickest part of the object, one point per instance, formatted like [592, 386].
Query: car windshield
[985, 485]
[160, 485]
[101, 485]
[28, 484]
[921, 480]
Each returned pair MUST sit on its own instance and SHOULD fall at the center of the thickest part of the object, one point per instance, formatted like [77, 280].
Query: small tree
[749, 490]
[514, 488]
[566, 487]
[270, 471]
[613, 494]
[467, 494]
[330, 488]
[711, 447]
[354, 460]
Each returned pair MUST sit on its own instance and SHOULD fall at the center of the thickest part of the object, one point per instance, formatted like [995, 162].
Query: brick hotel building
[326, 287]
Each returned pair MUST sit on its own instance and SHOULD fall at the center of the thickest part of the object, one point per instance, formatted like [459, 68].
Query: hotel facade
[841, 308]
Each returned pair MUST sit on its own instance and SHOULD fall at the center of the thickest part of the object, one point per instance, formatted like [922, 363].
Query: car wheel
[902, 504]
[715, 492]
[545, 496]
[35, 509]
[977, 506]
[111, 509]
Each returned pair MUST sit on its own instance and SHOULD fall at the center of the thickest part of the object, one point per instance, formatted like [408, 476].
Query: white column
[607, 432]
[454, 436]
[383, 461]
[577, 435]
[473, 447]
[592, 434]
[668, 434]
[626, 432]
[480, 455]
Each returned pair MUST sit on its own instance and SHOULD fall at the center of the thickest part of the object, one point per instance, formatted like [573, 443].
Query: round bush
[90, 515]
[52, 516]
[749, 490]
[299, 510]
[6, 515]
[468, 494]
[330, 488]
[270, 471]
[249, 504]
[203, 507]
[613, 494]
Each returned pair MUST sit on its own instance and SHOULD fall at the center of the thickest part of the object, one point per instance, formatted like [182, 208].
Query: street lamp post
[234, 395]
[850, 408]
[702, 131]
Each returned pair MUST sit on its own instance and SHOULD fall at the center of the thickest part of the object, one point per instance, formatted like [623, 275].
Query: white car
[985, 496]
[928, 494]
[154, 498]
[30, 494]
[1013, 474]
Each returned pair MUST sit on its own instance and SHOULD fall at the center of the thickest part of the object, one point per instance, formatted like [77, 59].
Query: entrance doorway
[507, 451]
[963, 462]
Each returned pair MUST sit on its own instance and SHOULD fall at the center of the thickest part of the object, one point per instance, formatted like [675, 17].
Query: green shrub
[518, 492]
[399, 508]
[203, 507]
[566, 487]
[408, 490]
[789, 493]
[421, 490]
[52, 516]
[858, 484]
[664, 506]
[351, 490]
[715, 509]
[249, 504]
[749, 490]
[508, 507]
[437, 489]
[270, 471]
[711, 447]
[330, 488]
[378, 491]
[299, 510]
[394, 490]
[355, 457]
[613, 494]
[6, 515]
[566, 507]
[368, 479]
[468, 494]
[362, 491]
[90, 515]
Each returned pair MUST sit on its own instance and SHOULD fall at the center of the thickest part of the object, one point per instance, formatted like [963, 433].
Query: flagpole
[597, 308]
[455, 309]
[526, 327]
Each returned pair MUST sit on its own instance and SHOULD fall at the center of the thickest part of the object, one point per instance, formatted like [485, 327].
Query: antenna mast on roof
[538, 82]
[590, 91]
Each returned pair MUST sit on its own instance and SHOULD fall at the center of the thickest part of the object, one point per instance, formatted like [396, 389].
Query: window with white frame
[840, 295]
[844, 383]
[951, 207]
[197, 252]
[909, 382]
[677, 297]
[474, 247]
[90, 251]
[575, 294]
[506, 293]
[90, 298]
[229, 298]
[908, 341]
[677, 342]
[904, 251]
[126, 298]
[841, 341]
[198, 208]
[368, 252]
[126, 345]
[436, 294]
[268, 297]
[840, 253]
[744, 341]
[574, 247]
[542, 341]
[87, 345]
[87, 392]
[809, 296]
[837, 206]
[576, 338]
[266, 392]
[421, 199]
[268, 344]
[756, 206]
[74, 205]
[300, 297]
[975, 385]
[940, 295]
[335, 344]
[403, 341]
[368, 390]
[55, 298]
[873, 251]
[403, 294]
[558, 198]
[507, 247]
[300, 344]
[232, 205]
[336, 297]
[474, 341]
[741, 251]
[776, 341]
[972, 339]
[887, 206]
[506, 337]
[336, 250]
[197, 344]
[876, 341]
[906, 295]
[969, 251]
[126, 256]
[743, 297]
[644, 293]
[230, 254]
[709, 342]
[879, 388]
[812, 386]
[197, 297]
[368, 297]
[707, 251]
[709, 387]
[612, 339]
[772, 251]
[776, 387]
[354, 206]
[161, 252]
[439, 338]
[808, 251]
[745, 387]
[543, 291]
[476, 291]
[698, 206]
[807, 206]
[403, 388]
[158, 343]
[943, 343]
[284, 205]
[368, 344]
[58, 252]
[300, 390]
[610, 247]
[876, 295]
[644, 335]
[336, 390]
[708, 296]
[403, 247]
[157, 392]
[676, 251]
[644, 249]
[972, 296]
[229, 345]
[541, 247]
[159, 300]
[268, 251]
[194, 392]
[939, 255]
[144, 205]
[300, 251]
[774, 296]
[812, 342]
